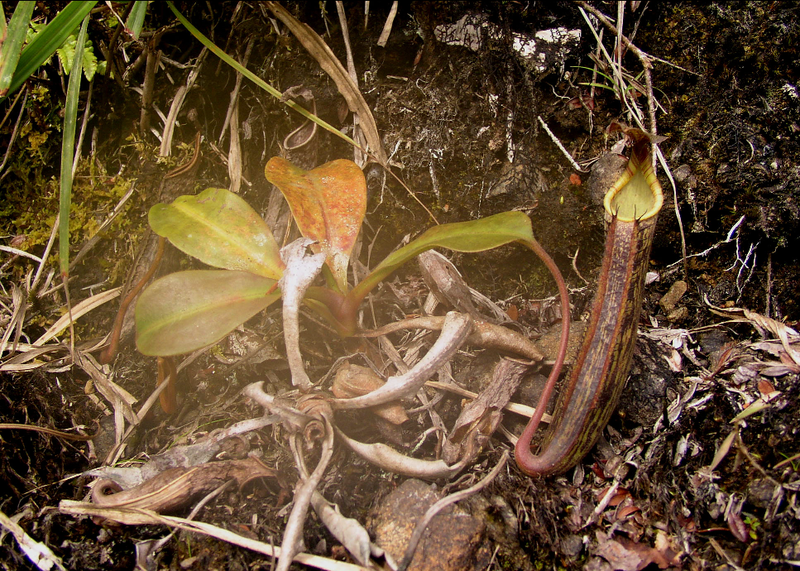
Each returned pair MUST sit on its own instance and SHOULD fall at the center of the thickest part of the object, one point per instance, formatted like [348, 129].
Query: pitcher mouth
[637, 194]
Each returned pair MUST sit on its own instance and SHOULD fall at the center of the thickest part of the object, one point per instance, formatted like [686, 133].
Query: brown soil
[730, 110]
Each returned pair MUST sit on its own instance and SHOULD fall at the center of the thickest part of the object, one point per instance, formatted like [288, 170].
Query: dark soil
[730, 112]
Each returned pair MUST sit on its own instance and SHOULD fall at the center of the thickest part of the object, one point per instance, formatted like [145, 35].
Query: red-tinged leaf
[186, 311]
[220, 229]
[625, 511]
[738, 528]
[512, 312]
[619, 497]
[328, 203]
[575, 179]
[626, 555]
[765, 387]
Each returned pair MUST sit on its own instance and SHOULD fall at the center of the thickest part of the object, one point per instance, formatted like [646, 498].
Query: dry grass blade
[232, 120]
[359, 157]
[78, 311]
[16, 319]
[138, 516]
[38, 553]
[317, 47]
[177, 103]
[387, 27]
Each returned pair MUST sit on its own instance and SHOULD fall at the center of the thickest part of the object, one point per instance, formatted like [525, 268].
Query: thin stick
[607, 23]
[663, 161]
[111, 350]
[91, 242]
[575, 165]
[16, 128]
[44, 430]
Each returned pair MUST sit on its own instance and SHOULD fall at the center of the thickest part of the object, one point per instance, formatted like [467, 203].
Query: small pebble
[678, 314]
[671, 298]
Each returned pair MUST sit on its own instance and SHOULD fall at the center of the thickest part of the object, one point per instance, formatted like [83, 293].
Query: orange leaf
[765, 387]
[328, 204]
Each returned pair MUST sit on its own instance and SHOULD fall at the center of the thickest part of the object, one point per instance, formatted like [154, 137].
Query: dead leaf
[778, 329]
[626, 555]
[765, 387]
[778, 370]
[738, 527]
[480, 418]
[175, 488]
[354, 381]
[626, 511]
[446, 282]
[348, 531]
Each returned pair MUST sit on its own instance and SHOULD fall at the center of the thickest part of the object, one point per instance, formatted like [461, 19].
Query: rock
[648, 389]
[671, 298]
[454, 540]
[571, 546]
[549, 342]
[760, 492]
[683, 176]
[678, 314]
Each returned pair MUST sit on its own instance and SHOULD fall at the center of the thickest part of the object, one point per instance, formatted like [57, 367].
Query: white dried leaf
[301, 270]
[348, 531]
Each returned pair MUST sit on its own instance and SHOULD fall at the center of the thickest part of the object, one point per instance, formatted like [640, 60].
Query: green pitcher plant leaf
[186, 311]
[328, 204]
[470, 236]
[220, 229]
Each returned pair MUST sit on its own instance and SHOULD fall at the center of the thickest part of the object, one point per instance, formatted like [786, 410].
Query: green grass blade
[12, 44]
[136, 17]
[68, 148]
[598, 72]
[46, 42]
[257, 80]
